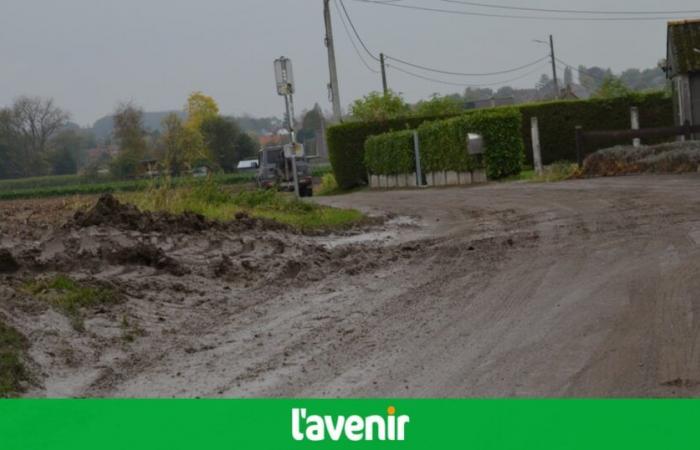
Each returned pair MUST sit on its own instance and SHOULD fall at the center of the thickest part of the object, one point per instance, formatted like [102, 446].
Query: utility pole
[384, 86]
[554, 67]
[333, 86]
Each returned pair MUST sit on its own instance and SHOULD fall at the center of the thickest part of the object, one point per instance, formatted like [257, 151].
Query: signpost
[284, 78]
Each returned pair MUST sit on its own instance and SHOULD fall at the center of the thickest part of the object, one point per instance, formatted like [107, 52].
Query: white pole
[634, 118]
[536, 155]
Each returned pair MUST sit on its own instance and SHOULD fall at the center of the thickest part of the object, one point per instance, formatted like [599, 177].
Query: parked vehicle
[275, 171]
[248, 165]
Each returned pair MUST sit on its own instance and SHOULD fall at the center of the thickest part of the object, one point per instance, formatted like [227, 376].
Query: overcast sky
[90, 54]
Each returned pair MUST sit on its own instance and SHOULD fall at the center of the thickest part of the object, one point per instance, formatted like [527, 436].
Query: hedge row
[558, 120]
[443, 145]
[346, 143]
[390, 153]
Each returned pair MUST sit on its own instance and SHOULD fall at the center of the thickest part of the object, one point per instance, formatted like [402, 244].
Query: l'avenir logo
[313, 427]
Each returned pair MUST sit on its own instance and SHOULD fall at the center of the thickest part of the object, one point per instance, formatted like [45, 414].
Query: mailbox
[475, 144]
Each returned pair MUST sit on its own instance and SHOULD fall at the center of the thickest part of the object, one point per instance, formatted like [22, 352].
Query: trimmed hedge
[503, 144]
[443, 145]
[346, 143]
[390, 153]
[557, 121]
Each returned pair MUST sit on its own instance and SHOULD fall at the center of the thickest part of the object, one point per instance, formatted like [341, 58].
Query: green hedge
[346, 146]
[443, 145]
[390, 153]
[557, 121]
[504, 149]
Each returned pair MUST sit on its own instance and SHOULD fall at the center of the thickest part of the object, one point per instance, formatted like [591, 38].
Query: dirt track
[581, 288]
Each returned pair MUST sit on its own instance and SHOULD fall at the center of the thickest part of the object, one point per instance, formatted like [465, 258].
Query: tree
[65, 152]
[313, 119]
[25, 131]
[612, 87]
[199, 108]
[174, 156]
[378, 107]
[131, 137]
[226, 142]
[592, 77]
[438, 106]
[63, 161]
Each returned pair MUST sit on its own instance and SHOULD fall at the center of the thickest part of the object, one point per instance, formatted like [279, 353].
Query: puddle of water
[391, 232]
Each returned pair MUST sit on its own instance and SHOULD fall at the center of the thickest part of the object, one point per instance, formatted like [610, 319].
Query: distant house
[683, 69]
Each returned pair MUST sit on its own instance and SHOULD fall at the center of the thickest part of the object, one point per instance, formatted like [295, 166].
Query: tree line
[36, 138]
[592, 82]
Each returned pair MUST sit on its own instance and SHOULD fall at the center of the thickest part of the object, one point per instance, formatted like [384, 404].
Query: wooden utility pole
[333, 85]
[554, 67]
[384, 85]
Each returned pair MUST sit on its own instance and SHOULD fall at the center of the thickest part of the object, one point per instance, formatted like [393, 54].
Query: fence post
[634, 118]
[579, 144]
[536, 155]
[416, 153]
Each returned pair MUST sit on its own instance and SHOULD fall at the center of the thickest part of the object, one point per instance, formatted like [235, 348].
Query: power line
[352, 25]
[352, 41]
[446, 72]
[568, 11]
[450, 83]
[515, 16]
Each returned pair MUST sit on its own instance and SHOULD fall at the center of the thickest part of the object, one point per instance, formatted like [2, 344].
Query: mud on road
[581, 288]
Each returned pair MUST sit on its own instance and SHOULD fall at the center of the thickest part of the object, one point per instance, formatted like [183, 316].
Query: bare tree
[36, 120]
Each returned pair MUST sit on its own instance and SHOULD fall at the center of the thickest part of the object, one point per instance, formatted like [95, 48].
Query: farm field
[579, 288]
[62, 185]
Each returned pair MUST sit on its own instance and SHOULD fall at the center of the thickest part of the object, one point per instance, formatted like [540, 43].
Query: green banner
[358, 424]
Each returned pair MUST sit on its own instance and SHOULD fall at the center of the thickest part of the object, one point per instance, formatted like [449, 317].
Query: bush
[328, 185]
[558, 121]
[390, 153]
[346, 143]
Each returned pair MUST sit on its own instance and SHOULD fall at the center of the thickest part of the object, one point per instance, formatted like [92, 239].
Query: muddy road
[580, 288]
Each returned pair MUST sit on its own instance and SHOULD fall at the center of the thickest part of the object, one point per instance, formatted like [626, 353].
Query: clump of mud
[108, 211]
[146, 255]
[8, 263]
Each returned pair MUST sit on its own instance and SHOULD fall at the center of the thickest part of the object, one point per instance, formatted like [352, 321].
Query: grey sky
[90, 54]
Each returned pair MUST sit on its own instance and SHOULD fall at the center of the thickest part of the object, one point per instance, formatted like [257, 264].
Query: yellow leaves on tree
[199, 108]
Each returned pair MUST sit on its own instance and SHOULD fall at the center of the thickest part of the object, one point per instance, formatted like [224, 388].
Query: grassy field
[209, 200]
[61, 185]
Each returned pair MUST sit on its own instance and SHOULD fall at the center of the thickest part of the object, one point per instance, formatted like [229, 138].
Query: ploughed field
[578, 288]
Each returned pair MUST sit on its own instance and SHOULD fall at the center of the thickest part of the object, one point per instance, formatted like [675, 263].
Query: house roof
[683, 39]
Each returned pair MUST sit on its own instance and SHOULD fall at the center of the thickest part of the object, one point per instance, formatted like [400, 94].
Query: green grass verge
[209, 200]
[69, 296]
[12, 371]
